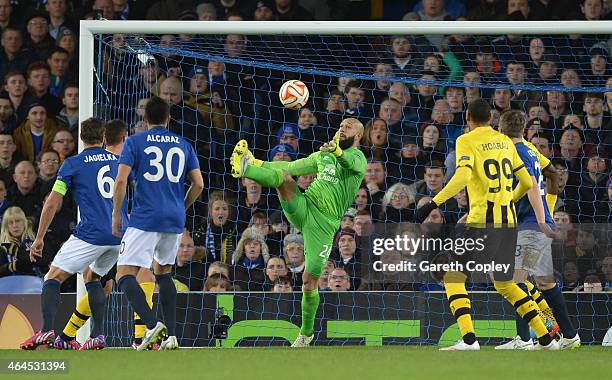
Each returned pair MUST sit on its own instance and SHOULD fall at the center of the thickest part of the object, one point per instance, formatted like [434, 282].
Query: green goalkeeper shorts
[317, 228]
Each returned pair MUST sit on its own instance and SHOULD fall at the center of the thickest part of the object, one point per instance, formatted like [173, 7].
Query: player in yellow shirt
[487, 162]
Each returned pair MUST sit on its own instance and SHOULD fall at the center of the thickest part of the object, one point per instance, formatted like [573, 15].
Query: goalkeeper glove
[423, 212]
[333, 146]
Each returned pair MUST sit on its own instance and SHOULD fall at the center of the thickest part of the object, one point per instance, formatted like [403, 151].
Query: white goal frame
[90, 27]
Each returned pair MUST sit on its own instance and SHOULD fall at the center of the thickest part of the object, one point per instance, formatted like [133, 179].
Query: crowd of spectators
[237, 237]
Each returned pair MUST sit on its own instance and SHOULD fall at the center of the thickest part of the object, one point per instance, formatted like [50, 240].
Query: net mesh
[411, 93]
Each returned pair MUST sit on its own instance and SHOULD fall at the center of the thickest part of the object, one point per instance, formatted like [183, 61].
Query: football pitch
[355, 362]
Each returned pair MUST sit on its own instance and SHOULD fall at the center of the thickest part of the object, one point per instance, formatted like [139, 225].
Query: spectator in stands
[26, 193]
[184, 120]
[66, 39]
[400, 92]
[381, 89]
[282, 285]
[209, 104]
[556, 106]
[404, 59]
[597, 72]
[324, 278]
[282, 152]
[251, 251]
[264, 10]
[348, 255]
[570, 78]
[48, 164]
[547, 71]
[489, 10]
[58, 60]
[69, 115]
[249, 260]
[355, 96]
[289, 134]
[218, 267]
[592, 193]
[8, 159]
[432, 144]
[362, 199]
[217, 234]
[217, 283]
[376, 182]
[129, 9]
[609, 219]
[38, 39]
[187, 270]
[259, 223]
[570, 149]
[12, 56]
[391, 112]
[595, 131]
[587, 250]
[57, 10]
[36, 133]
[275, 268]
[571, 276]
[591, 9]
[487, 64]
[363, 224]
[424, 101]
[64, 144]
[4, 204]
[376, 141]
[105, 9]
[290, 10]
[5, 14]
[8, 119]
[455, 98]
[39, 80]
[311, 133]
[253, 200]
[431, 185]
[442, 115]
[433, 10]
[606, 269]
[339, 280]
[397, 204]
[16, 87]
[566, 196]
[501, 99]
[16, 237]
[543, 144]
[293, 252]
[471, 77]
[206, 12]
[413, 160]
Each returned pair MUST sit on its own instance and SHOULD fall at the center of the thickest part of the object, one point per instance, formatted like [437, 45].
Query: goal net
[409, 84]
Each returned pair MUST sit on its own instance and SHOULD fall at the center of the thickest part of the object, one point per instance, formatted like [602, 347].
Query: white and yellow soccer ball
[293, 94]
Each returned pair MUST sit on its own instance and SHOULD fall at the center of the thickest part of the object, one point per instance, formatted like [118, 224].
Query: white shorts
[534, 253]
[76, 255]
[139, 248]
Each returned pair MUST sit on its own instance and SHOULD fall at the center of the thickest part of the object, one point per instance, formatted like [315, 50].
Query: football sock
[310, 304]
[525, 307]
[547, 312]
[139, 326]
[522, 328]
[49, 299]
[266, 177]
[137, 299]
[96, 304]
[556, 300]
[167, 298]
[460, 305]
[78, 318]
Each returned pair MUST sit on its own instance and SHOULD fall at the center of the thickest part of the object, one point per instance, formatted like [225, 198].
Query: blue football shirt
[91, 177]
[160, 161]
[526, 216]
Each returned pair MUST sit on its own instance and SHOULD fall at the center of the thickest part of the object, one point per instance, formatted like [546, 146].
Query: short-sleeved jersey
[525, 213]
[493, 160]
[90, 176]
[160, 161]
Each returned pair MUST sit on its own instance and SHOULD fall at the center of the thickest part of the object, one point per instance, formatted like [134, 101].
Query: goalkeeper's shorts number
[325, 252]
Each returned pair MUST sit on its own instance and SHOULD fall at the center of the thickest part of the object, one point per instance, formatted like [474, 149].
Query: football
[293, 94]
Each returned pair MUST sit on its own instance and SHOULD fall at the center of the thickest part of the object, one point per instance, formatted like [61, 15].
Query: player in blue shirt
[534, 252]
[160, 161]
[90, 176]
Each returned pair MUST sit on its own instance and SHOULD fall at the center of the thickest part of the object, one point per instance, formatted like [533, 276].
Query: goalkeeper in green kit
[340, 168]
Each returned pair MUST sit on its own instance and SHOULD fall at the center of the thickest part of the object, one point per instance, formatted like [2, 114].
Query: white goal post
[90, 27]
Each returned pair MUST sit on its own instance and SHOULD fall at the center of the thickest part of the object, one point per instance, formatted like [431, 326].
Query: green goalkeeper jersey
[337, 182]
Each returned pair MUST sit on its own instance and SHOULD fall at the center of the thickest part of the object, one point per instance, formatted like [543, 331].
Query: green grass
[384, 363]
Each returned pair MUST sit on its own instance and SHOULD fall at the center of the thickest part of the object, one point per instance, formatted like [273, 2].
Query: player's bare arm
[118, 196]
